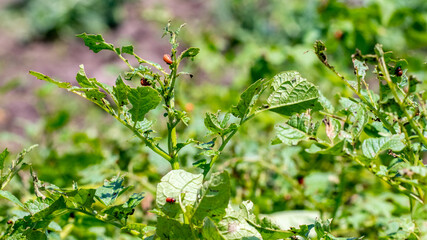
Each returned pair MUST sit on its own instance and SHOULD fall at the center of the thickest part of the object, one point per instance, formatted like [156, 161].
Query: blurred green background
[240, 42]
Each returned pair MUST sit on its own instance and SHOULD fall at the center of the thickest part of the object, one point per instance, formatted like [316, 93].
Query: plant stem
[96, 216]
[126, 61]
[332, 116]
[363, 99]
[383, 68]
[170, 104]
[138, 134]
[221, 148]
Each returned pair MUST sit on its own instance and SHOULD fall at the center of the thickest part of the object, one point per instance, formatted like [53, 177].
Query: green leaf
[292, 94]
[190, 52]
[55, 209]
[298, 128]
[3, 157]
[270, 231]
[134, 200]
[213, 124]
[336, 149]
[322, 228]
[234, 225]
[139, 229]
[182, 116]
[372, 147]
[143, 99]
[111, 190]
[127, 49]
[96, 43]
[248, 99]
[303, 230]
[43, 77]
[214, 198]
[360, 69]
[122, 211]
[144, 126]
[203, 164]
[120, 92]
[175, 183]
[210, 231]
[9, 196]
[173, 229]
[358, 116]
[36, 205]
[80, 198]
[319, 50]
[83, 80]
[28, 234]
[89, 86]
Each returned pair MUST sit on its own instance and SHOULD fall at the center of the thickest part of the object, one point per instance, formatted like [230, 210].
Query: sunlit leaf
[96, 43]
[372, 147]
[48, 79]
[292, 94]
[175, 183]
[214, 197]
[143, 99]
[248, 99]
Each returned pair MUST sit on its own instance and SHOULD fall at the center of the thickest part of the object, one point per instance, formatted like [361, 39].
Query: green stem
[126, 61]
[221, 148]
[170, 104]
[140, 60]
[383, 68]
[138, 134]
[363, 99]
[409, 149]
[96, 216]
[332, 116]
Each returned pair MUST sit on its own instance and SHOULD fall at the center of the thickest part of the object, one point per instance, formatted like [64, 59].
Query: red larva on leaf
[144, 82]
[399, 71]
[338, 34]
[170, 200]
[167, 58]
[300, 180]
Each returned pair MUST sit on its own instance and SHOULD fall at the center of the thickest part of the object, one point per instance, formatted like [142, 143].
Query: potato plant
[383, 132]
